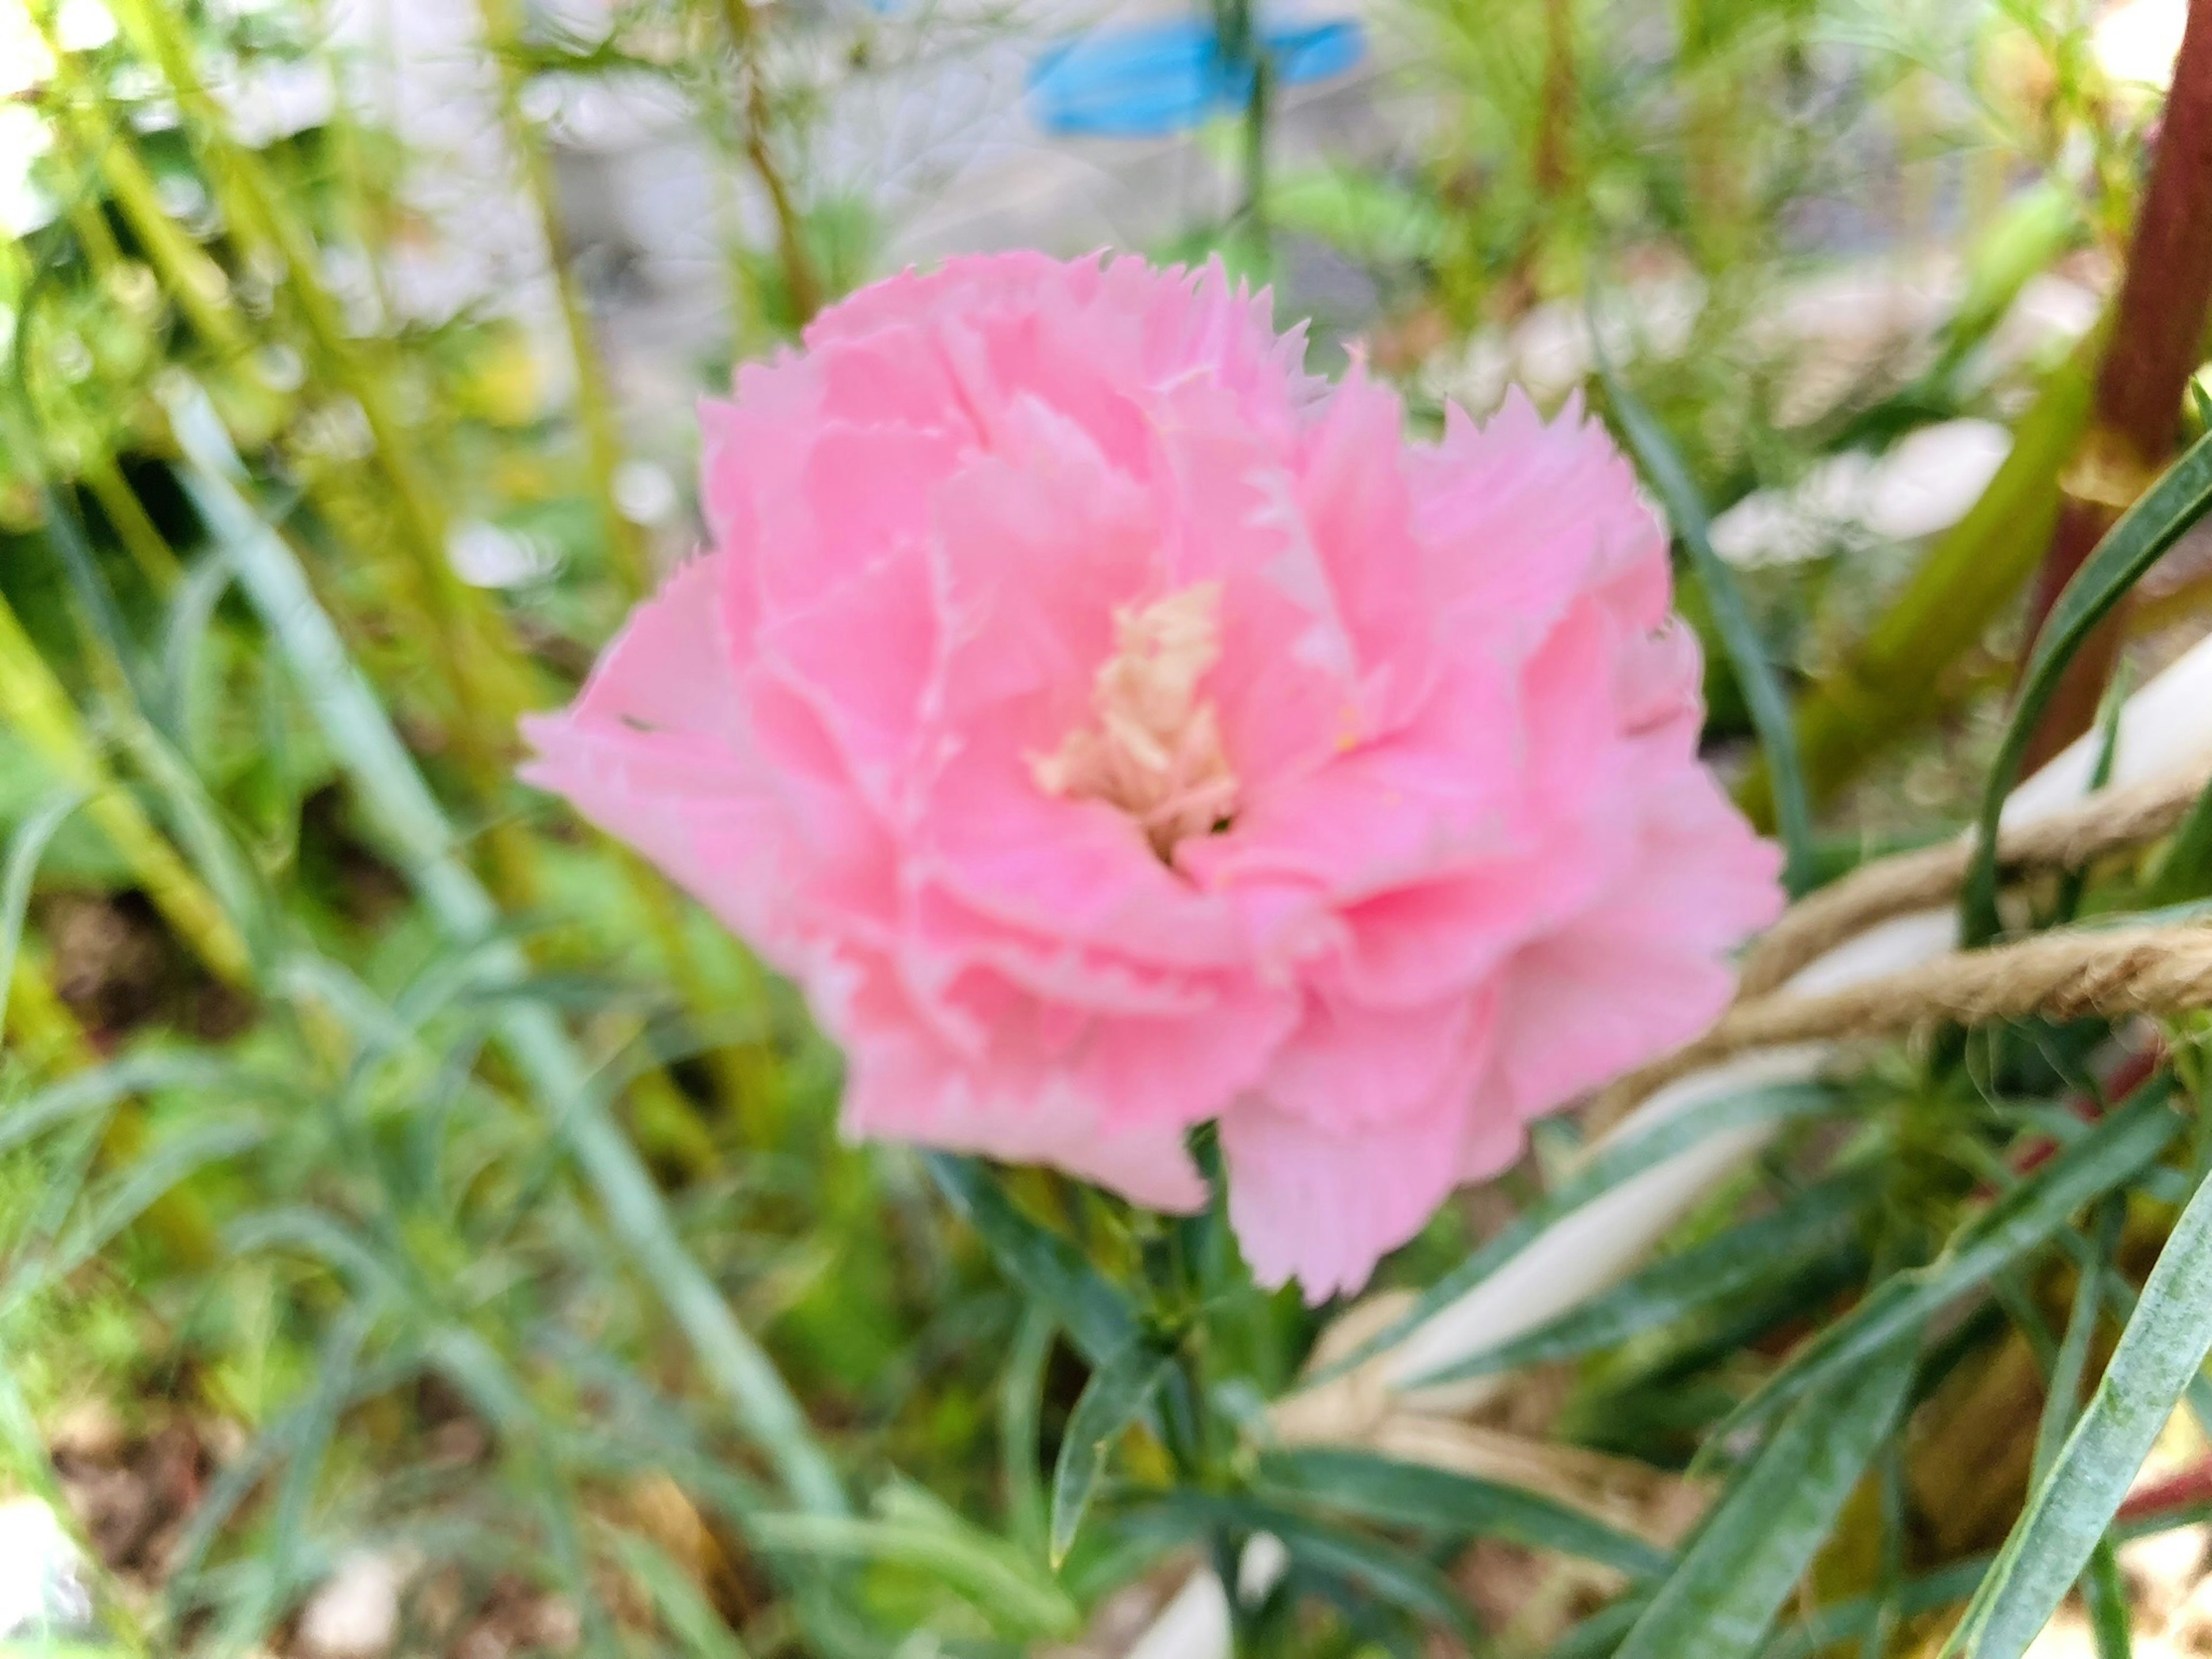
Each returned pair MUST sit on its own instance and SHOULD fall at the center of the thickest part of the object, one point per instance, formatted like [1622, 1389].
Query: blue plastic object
[1150, 80]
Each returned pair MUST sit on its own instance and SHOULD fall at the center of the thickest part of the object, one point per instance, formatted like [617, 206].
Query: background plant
[395, 1172]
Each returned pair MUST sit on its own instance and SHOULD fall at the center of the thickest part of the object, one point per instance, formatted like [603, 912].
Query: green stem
[479, 656]
[802, 282]
[626, 551]
[34, 704]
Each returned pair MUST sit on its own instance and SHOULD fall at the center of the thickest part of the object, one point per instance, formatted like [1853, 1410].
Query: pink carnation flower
[1114, 728]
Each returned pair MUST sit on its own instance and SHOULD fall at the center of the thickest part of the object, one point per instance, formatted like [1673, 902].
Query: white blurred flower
[41, 1586]
[83, 25]
[2139, 39]
[644, 493]
[23, 138]
[486, 556]
[1922, 486]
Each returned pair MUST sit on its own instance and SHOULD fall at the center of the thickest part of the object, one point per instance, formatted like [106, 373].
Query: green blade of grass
[1756, 1543]
[1398, 1578]
[1110, 1401]
[1721, 1270]
[2156, 521]
[25, 848]
[416, 833]
[2164, 1346]
[2016, 1222]
[1627, 1155]
[1097, 1317]
[2184, 870]
[1382, 1490]
[1662, 464]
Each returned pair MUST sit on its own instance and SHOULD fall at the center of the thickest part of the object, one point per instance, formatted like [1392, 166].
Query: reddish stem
[2158, 328]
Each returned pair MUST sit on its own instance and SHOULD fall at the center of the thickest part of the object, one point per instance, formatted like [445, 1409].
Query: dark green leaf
[1109, 1402]
[1097, 1317]
[2185, 871]
[1756, 1543]
[2163, 1347]
[1021, 1392]
[1721, 1270]
[2016, 1222]
[1396, 1576]
[1393, 1493]
[2106, 1598]
[1662, 464]
[25, 848]
[2133, 545]
[1627, 1154]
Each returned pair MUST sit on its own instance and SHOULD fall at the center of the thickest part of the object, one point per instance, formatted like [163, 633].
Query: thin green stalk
[142, 539]
[46, 1035]
[188, 276]
[627, 555]
[801, 280]
[33, 703]
[479, 655]
[414, 830]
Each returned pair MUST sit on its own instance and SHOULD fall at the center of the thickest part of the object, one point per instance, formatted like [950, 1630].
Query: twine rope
[2108, 823]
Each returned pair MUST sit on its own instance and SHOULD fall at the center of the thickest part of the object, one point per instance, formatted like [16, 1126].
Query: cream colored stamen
[1155, 749]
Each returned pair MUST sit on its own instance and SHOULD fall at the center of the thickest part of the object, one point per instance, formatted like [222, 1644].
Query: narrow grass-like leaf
[142, 1184]
[950, 1555]
[1392, 1493]
[1661, 466]
[1737, 1570]
[1021, 1411]
[1721, 1270]
[2106, 1599]
[414, 830]
[25, 848]
[2185, 870]
[1109, 1402]
[684, 1613]
[2018, 1221]
[2143, 536]
[1617, 1160]
[2065, 1393]
[1397, 1576]
[1097, 1317]
[2163, 1347]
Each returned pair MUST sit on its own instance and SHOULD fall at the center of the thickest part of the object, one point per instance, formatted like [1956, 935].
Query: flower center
[1153, 749]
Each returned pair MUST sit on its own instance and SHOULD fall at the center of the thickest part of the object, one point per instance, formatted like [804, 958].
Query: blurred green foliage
[276, 1183]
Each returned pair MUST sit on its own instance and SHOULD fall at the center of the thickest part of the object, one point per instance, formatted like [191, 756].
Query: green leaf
[1395, 1575]
[1627, 1155]
[1109, 1402]
[2018, 1221]
[2137, 542]
[412, 827]
[1662, 464]
[980, 1570]
[1021, 1401]
[2106, 1599]
[2164, 1346]
[1721, 1270]
[2185, 872]
[1097, 1317]
[1756, 1543]
[25, 848]
[2065, 1392]
[1392, 1493]
[684, 1613]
